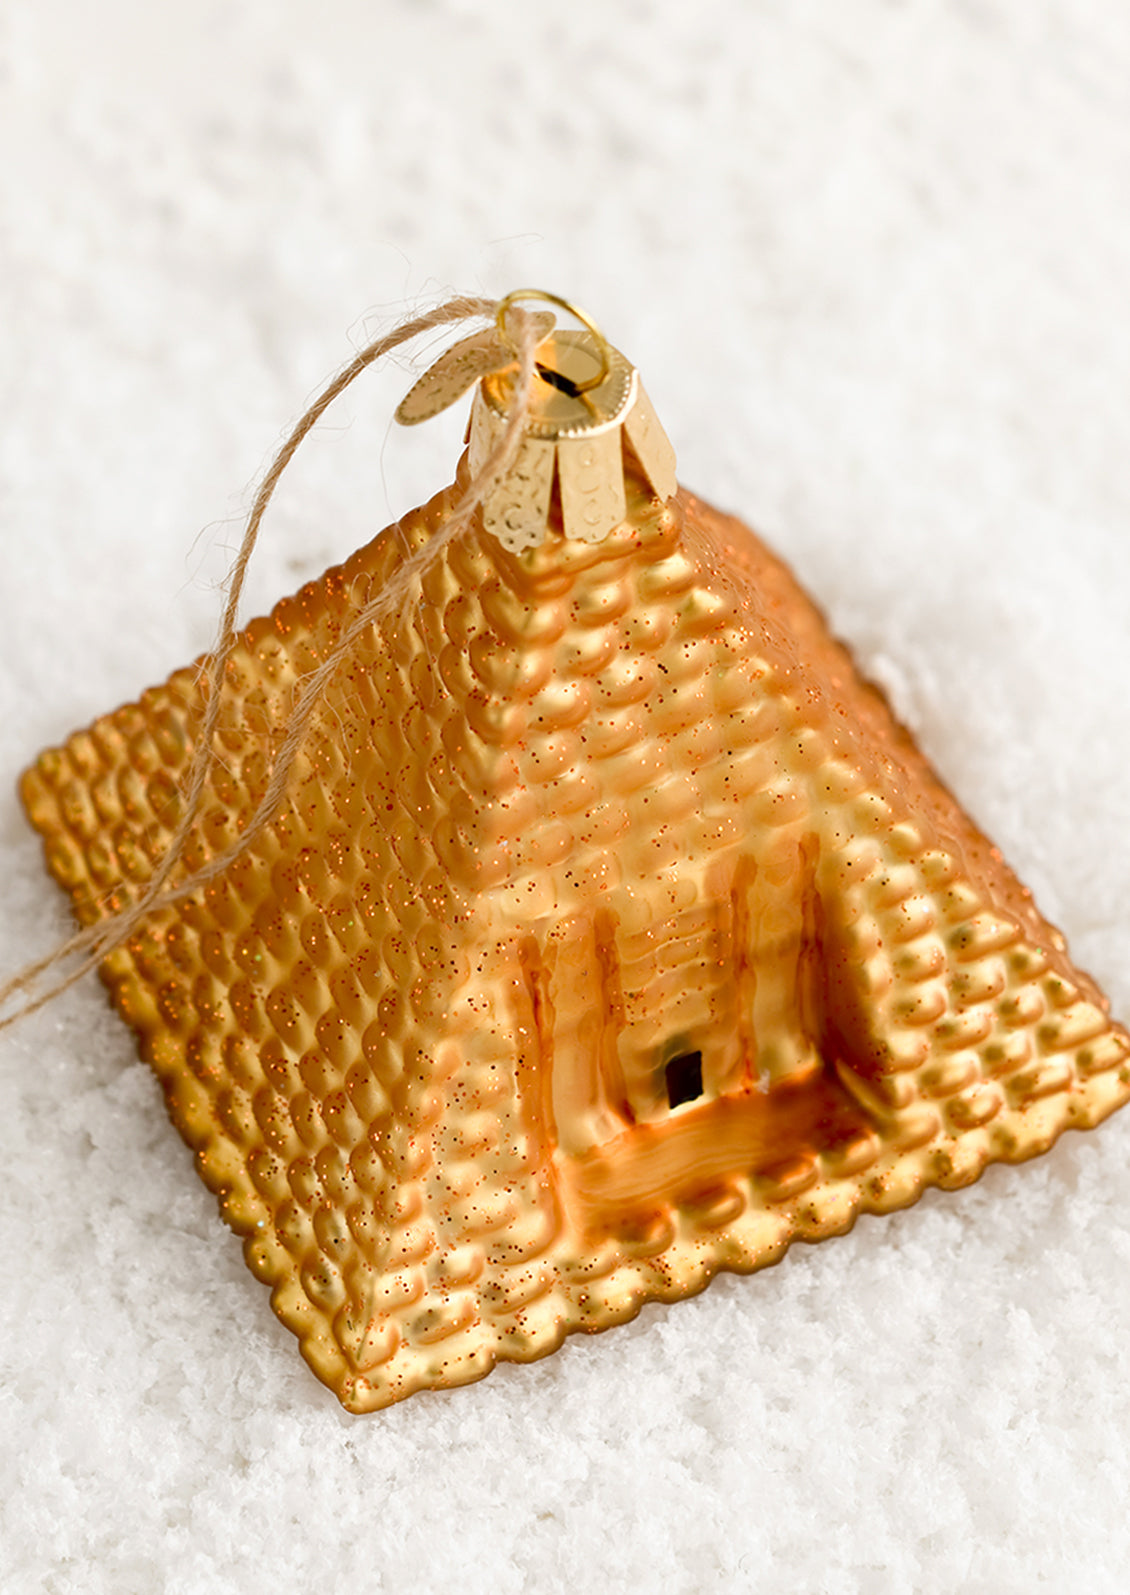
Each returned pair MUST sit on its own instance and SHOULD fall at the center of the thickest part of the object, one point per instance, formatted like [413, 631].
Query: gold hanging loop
[604, 348]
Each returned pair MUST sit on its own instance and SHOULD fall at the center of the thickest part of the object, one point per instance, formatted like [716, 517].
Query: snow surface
[873, 258]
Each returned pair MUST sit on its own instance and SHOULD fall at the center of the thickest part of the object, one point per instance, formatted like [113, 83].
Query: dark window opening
[684, 1078]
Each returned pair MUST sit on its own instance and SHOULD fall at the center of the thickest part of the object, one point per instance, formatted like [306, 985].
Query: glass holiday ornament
[611, 932]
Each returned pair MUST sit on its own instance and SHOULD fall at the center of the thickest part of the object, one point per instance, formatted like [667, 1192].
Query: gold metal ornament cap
[589, 420]
[575, 440]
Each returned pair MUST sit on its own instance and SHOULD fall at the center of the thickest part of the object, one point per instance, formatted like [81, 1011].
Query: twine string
[95, 942]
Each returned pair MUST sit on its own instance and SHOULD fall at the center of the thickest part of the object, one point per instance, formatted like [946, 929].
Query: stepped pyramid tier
[612, 933]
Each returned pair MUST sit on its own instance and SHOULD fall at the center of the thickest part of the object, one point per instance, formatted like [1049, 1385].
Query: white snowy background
[873, 259]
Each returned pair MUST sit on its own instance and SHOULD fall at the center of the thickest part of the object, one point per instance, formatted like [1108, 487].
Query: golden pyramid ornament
[612, 931]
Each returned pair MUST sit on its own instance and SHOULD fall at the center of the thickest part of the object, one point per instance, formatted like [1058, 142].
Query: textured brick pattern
[566, 816]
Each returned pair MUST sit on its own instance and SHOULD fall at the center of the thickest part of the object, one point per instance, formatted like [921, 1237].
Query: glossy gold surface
[588, 828]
